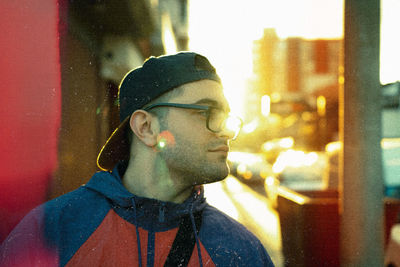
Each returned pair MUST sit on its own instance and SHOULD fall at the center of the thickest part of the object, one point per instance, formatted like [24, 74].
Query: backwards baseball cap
[142, 85]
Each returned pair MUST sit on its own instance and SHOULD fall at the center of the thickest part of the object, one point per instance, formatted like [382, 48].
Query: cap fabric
[142, 85]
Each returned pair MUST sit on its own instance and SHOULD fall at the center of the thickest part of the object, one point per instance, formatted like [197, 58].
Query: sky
[224, 31]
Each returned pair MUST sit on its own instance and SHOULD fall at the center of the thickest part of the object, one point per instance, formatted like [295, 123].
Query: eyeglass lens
[219, 120]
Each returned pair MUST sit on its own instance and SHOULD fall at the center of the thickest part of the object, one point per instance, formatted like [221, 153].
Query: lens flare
[233, 123]
[162, 143]
[165, 139]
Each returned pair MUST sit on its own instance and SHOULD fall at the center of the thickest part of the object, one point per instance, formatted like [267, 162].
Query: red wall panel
[29, 105]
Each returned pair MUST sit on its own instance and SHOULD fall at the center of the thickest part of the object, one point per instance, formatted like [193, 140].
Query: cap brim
[115, 149]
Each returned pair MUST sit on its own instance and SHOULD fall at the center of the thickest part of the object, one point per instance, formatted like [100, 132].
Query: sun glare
[167, 35]
[224, 31]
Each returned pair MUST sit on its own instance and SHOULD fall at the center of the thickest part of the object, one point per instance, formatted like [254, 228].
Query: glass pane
[216, 120]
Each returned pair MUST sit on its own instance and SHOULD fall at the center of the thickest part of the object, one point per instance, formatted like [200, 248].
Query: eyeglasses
[217, 119]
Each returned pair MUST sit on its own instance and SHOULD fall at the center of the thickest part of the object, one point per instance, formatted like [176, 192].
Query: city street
[250, 208]
[299, 97]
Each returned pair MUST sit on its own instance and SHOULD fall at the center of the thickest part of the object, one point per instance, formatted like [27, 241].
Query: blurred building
[297, 75]
[295, 64]
[99, 42]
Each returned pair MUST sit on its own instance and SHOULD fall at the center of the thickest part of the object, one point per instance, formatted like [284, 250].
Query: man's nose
[227, 133]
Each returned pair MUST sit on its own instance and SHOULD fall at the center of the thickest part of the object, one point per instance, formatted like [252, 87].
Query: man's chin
[214, 180]
[217, 176]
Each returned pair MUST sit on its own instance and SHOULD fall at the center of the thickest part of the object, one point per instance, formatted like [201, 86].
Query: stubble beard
[191, 165]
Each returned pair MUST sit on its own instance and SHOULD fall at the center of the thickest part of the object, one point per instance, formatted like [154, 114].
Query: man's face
[197, 155]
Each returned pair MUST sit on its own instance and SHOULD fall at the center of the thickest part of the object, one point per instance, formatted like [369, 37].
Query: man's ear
[145, 127]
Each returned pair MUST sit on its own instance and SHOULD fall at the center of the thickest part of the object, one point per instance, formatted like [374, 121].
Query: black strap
[184, 242]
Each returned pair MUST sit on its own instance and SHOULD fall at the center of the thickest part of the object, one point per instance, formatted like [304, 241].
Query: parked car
[301, 170]
[390, 165]
[249, 168]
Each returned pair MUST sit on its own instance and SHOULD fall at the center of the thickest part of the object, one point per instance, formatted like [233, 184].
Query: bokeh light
[164, 139]
[224, 31]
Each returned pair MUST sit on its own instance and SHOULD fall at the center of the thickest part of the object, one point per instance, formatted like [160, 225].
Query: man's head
[156, 104]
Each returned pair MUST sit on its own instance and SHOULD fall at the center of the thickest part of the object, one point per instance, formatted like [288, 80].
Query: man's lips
[220, 149]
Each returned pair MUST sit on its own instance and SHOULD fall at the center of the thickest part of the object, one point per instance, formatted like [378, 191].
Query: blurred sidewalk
[251, 209]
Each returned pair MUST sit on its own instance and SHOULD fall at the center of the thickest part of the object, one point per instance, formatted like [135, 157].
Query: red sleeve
[26, 244]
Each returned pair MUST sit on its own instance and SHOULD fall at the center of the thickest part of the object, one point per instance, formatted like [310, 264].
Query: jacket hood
[149, 213]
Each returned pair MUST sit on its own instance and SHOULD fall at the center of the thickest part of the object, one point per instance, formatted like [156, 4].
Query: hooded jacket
[103, 224]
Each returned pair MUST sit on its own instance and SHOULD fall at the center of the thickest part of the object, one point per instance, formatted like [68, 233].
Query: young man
[147, 207]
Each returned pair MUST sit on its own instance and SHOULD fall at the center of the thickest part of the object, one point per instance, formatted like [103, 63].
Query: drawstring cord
[137, 233]
[161, 213]
[195, 235]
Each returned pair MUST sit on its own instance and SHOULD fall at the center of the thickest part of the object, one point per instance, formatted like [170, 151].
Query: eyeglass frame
[198, 107]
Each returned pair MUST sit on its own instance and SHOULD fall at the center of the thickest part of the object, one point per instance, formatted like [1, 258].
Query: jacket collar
[150, 213]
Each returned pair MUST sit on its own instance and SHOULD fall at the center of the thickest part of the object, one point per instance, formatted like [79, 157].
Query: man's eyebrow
[211, 102]
[208, 101]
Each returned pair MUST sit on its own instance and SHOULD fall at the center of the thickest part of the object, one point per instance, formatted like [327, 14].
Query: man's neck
[155, 182]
